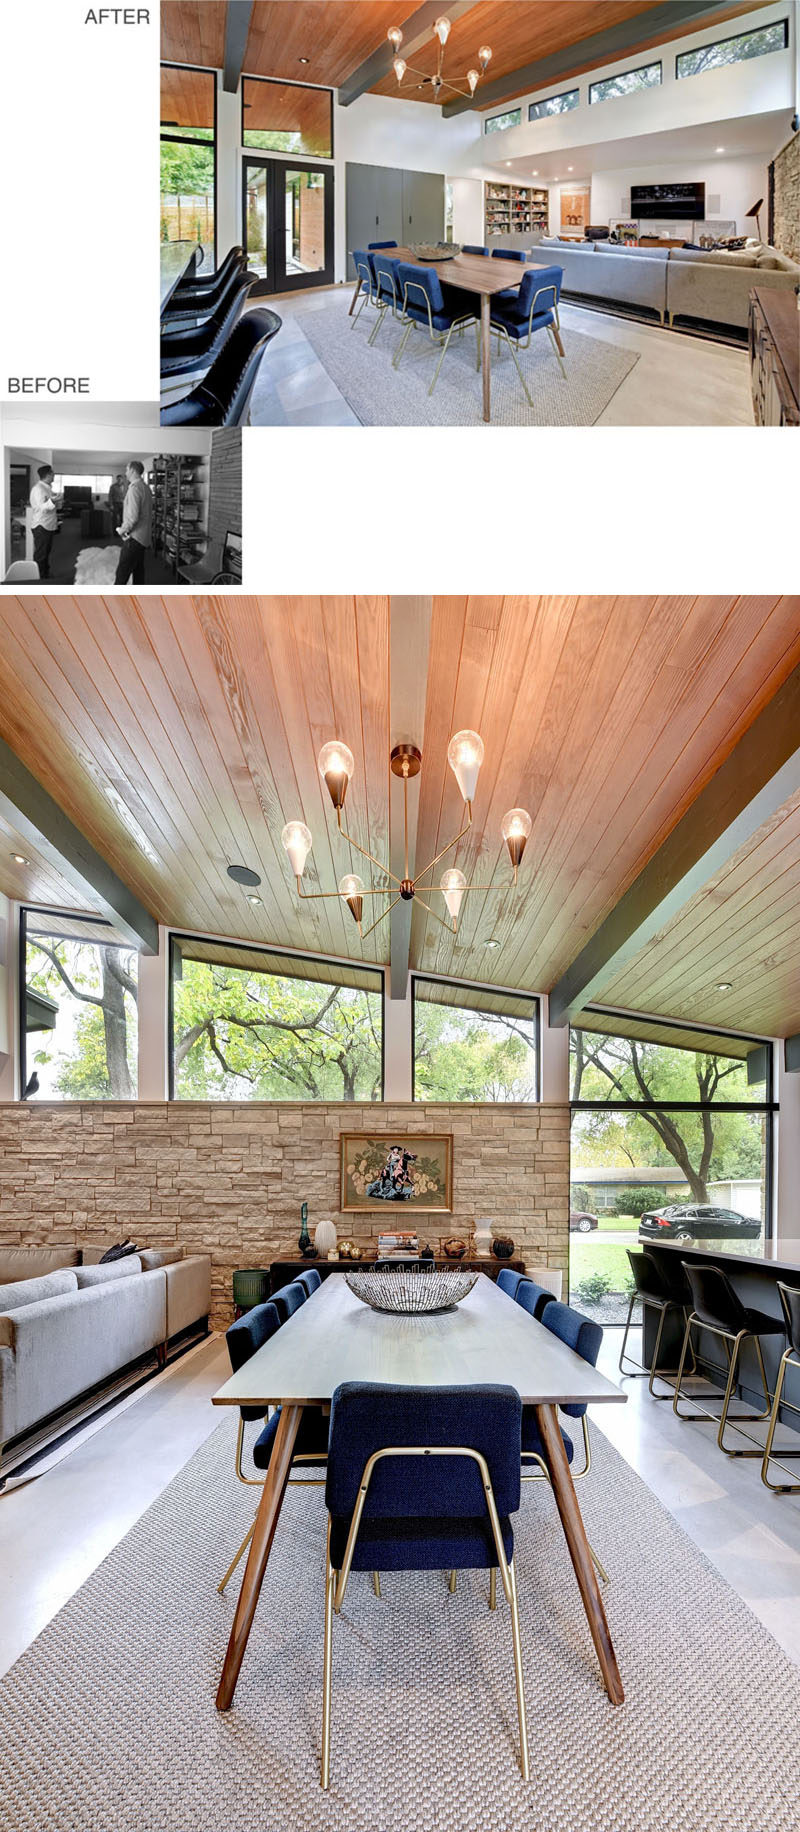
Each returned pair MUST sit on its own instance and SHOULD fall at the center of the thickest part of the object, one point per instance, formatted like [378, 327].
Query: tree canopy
[467, 1055]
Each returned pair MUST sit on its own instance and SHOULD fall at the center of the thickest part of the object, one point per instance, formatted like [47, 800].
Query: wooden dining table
[484, 275]
[334, 1337]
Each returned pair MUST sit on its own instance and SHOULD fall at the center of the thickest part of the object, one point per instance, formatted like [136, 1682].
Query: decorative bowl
[454, 1248]
[502, 1247]
[435, 251]
[411, 1293]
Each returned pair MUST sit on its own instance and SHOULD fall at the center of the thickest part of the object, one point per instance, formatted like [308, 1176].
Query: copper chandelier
[336, 766]
[441, 31]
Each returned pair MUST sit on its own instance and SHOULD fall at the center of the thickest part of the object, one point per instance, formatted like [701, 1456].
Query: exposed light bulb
[336, 765]
[442, 29]
[452, 885]
[485, 56]
[351, 890]
[473, 78]
[395, 37]
[465, 756]
[400, 68]
[296, 840]
[515, 828]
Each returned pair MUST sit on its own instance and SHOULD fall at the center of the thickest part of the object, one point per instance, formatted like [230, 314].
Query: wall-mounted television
[670, 202]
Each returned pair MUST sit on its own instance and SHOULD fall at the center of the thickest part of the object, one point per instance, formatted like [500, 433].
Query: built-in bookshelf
[180, 492]
[515, 209]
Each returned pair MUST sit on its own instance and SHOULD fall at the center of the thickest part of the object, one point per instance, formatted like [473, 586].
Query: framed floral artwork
[407, 1173]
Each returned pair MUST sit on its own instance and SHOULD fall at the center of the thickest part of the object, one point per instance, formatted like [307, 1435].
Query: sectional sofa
[69, 1324]
[677, 284]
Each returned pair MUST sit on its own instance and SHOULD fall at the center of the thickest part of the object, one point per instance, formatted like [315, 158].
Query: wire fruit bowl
[436, 251]
[411, 1293]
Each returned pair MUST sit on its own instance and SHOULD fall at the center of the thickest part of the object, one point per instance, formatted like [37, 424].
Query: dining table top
[176, 261]
[487, 1338]
[474, 273]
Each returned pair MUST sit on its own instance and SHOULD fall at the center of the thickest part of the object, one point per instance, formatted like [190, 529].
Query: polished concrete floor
[679, 380]
[57, 1527]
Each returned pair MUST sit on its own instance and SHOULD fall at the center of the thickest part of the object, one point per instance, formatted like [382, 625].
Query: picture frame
[389, 1162]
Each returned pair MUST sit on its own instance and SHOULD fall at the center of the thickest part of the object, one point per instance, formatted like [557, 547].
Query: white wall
[736, 183]
[787, 1180]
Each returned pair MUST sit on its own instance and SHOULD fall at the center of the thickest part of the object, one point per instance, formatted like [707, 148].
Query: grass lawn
[588, 1256]
[615, 1224]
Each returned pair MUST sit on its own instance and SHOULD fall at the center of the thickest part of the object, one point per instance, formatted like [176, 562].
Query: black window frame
[275, 152]
[498, 117]
[167, 63]
[729, 39]
[515, 992]
[768, 1107]
[652, 64]
[176, 936]
[543, 100]
[37, 909]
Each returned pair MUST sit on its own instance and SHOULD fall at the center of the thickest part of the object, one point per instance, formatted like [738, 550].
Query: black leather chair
[223, 396]
[195, 346]
[716, 1307]
[194, 308]
[653, 1287]
[206, 287]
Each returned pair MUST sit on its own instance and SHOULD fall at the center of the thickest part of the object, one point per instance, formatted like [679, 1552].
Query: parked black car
[686, 1221]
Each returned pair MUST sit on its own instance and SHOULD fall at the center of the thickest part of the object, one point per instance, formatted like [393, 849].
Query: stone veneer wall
[787, 199]
[229, 1179]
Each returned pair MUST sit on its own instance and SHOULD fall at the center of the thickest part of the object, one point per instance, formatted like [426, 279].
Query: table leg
[356, 290]
[575, 1535]
[486, 355]
[266, 1520]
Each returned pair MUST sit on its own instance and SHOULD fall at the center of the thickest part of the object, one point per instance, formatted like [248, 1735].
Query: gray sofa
[65, 1330]
[674, 283]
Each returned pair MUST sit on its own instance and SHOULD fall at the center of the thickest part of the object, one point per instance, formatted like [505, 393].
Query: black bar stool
[717, 1308]
[790, 1303]
[654, 1287]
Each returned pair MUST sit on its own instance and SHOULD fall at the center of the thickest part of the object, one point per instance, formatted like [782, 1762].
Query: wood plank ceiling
[181, 733]
[324, 41]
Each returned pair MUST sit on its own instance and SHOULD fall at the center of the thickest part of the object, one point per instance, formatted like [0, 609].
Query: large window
[648, 76]
[78, 1009]
[497, 124]
[663, 1120]
[733, 50]
[188, 157]
[474, 1044]
[287, 117]
[554, 105]
[253, 1024]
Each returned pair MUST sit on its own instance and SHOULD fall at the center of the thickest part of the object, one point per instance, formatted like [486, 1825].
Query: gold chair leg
[397, 359]
[441, 360]
[235, 1560]
[330, 1580]
[374, 332]
[517, 1645]
[600, 1569]
[452, 1581]
[493, 1587]
[634, 1364]
[510, 342]
[778, 1488]
[376, 1583]
[676, 1395]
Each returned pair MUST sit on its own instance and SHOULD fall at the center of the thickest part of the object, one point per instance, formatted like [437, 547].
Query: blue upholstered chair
[438, 311]
[473, 248]
[310, 1280]
[533, 1298]
[362, 261]
[508, 1281]
[508, 254]
[584, 1336]
[289, 1299]
[373, 245]
[533, 308]
[421, 1479]
[248, 1334]
[388, 291]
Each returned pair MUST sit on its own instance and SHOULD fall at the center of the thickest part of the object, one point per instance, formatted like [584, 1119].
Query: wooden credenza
[283, 1271]
[775, 357]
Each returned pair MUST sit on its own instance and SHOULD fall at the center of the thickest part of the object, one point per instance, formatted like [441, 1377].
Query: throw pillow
[120, 1252]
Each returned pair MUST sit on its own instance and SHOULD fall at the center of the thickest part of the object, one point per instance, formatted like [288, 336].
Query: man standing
[137, 526]
[116, 499]
[44, 520]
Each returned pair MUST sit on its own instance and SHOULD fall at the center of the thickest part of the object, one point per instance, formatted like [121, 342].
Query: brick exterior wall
[787, 199]
[229, 1180]
[225, 491]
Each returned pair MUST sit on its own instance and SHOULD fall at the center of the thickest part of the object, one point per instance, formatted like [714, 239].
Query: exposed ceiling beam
[601, 47]
[417, 32]
[761, 773]
[237, 30]
[409, 642]
[37, 817]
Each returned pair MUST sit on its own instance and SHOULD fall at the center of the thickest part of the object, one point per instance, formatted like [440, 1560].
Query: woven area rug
[109, 1723]
[383, 396]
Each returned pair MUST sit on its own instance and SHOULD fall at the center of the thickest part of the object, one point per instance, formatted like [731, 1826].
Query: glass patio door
[288, 219]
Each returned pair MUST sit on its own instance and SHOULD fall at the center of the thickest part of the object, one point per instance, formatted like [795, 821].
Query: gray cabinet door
[374, 203]
[389, 225]
[423, 207]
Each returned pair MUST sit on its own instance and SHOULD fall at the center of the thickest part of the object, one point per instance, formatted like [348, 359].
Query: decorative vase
[304, 1243]
[483, 1239]
[325, 1238]
[503, 1247]
[454, 1248]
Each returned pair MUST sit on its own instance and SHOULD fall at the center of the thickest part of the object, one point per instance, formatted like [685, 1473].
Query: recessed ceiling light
[508, 162]
[18, 859]
[570, 168]
[720, 149]
[242, 874]
[492, 942]
[304, 60]
[252, 897]
[725, 986]
[536, 172]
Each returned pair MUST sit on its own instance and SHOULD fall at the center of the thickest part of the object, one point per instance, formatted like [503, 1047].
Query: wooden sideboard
[282, 1272]
[775, 357]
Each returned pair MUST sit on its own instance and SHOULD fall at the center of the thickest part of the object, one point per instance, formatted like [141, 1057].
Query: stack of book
[399, 1245]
